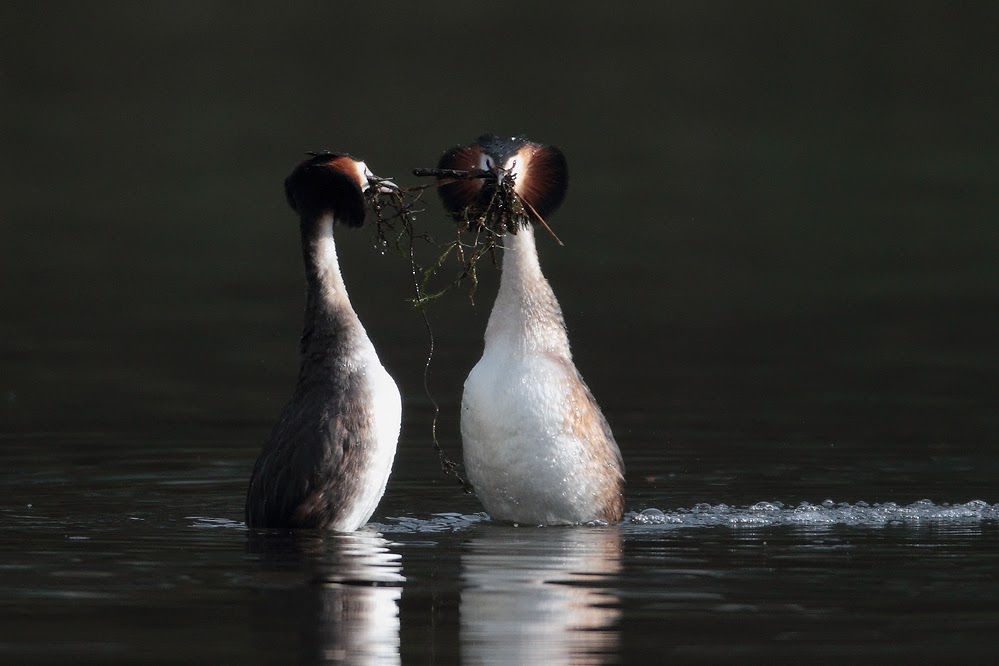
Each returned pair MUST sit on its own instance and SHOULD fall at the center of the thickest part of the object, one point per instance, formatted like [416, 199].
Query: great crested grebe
[537, 448]
[328, 458]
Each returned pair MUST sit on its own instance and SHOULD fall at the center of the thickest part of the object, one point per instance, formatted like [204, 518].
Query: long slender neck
[526, 314]
[322, 266]
[329, 317]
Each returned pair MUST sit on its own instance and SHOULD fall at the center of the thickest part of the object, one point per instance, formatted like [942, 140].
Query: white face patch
[362, 175]
[513, 165]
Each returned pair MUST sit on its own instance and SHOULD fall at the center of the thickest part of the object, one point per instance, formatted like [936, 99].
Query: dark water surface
[780, 276]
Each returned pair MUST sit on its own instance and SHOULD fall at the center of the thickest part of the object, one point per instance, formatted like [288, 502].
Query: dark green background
[785, 207]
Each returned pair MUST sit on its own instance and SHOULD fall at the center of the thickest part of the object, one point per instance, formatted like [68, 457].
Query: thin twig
[402, 202]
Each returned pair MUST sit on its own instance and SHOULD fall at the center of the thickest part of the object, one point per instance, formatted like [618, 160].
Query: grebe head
[540, 176]
[331, 182]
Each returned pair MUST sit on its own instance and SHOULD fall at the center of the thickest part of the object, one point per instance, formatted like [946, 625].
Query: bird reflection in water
[348, 609]
[541, 595]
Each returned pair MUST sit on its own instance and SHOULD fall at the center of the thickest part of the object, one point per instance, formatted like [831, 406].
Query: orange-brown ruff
[328, 458]
[537, 448]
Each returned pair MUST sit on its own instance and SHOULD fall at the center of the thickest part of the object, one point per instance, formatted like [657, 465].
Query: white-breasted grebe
[537, 448]
[328, 459]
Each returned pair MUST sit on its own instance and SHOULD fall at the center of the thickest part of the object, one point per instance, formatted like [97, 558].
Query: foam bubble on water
[826, 512]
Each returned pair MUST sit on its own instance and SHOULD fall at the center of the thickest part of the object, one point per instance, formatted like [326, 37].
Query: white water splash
[828, 512]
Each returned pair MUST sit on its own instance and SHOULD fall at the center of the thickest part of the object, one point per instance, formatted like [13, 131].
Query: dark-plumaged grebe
[328, 458]
[537, 448]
